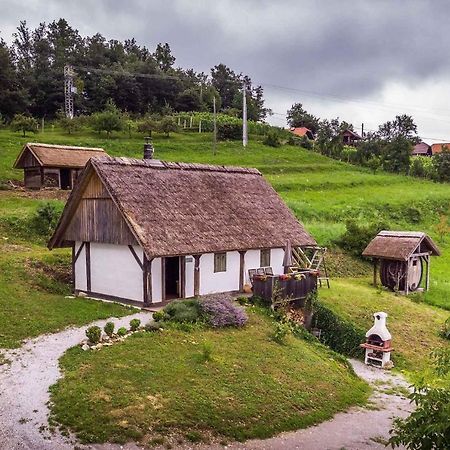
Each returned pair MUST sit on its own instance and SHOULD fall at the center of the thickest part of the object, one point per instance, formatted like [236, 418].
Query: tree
[147, 126]
[163, 56]
[428, 426]
[297, 116]
[396, 155]
[109, 120]
[24, 123]
[402, 126]
[227, 84]
[441, 162]
[167, 125]
[188, 100]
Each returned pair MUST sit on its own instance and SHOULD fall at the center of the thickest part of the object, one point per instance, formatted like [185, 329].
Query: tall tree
[402, 126]
[297, 116]
[163, 56]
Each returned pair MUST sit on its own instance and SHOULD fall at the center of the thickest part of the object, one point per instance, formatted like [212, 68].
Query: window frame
[264, 254]
[220, 262]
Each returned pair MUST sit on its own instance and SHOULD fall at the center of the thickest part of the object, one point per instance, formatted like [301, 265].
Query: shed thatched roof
[399, 245]
[50, 155]
[182, 209]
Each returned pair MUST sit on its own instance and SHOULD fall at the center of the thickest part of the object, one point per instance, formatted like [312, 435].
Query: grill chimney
[148, 148]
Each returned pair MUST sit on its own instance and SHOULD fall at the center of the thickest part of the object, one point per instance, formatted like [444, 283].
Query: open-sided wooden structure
[147, 231]
[48, 165]
[402, 256]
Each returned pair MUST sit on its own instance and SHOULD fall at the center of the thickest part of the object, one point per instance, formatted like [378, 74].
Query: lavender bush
[221, 312]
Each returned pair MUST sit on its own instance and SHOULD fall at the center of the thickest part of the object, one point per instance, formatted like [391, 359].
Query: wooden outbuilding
[402, 256]
[48, 165]
[349, 137]
[148, 231]
[422, 149]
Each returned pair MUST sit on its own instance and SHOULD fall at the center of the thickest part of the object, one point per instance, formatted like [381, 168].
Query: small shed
[48, 165]
[349, 137]
[421, 149]
[402, 256]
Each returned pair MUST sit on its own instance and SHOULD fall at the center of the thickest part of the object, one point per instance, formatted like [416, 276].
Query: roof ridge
[69, 147]
[159, 164]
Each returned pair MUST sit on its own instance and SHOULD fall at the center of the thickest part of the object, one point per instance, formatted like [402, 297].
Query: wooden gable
[97, 218]
[26, 159]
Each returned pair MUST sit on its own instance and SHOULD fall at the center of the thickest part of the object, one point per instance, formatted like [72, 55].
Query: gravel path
[24, 387]
[24, 393]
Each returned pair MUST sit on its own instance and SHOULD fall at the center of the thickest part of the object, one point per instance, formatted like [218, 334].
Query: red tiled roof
[300, 131]
[438, 148]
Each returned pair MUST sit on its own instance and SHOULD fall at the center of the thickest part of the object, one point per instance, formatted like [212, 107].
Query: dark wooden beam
[73, 264]
[147, 280]
[183, 276]
[197, 275]
[163, 278]
[42, 176]
[241, 269]
[136, 257]
[88, 265]
[77, 254]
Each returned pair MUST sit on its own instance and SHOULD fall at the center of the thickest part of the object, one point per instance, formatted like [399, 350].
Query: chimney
[148, 148]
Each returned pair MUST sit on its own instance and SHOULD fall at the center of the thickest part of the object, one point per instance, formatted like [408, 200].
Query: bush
[441, 163]
[159, 316]
[340, 335]
[445, 332]
[229, 131]
[272, 139]
[109, 328]
[167, 125]
[122, 331]
[134, 324]
[281, 332]
[186, 311]
[45, 219]
[152, 326]
[221, 312]
[109, 120]
[356, 237]
[94, 334]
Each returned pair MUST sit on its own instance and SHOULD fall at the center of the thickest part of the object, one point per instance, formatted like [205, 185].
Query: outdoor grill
[378, 343]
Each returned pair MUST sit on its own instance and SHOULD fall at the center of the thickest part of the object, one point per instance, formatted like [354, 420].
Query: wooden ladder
[316, 262]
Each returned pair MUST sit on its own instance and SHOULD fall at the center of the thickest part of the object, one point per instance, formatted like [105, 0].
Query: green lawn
[414, 326]
[167, 388]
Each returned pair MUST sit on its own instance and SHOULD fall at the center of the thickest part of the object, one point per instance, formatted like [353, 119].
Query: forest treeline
[136, 79]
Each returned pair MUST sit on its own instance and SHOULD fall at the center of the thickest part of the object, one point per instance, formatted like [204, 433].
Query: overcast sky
[364, 61]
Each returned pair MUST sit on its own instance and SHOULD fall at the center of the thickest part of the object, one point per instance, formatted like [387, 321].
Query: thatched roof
[49, 155]
[399, 245]
[183, 209]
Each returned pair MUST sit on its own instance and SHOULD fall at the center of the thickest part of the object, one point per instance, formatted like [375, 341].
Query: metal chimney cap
[148, 148]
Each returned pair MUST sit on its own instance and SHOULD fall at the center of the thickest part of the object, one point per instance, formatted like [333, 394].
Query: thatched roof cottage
[48, 165]
[147, 231]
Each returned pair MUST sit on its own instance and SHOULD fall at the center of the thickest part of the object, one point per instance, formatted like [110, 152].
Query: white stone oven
[378, 343]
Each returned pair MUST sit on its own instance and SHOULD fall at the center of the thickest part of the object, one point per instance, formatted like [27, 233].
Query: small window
[220, 262]
[265, 258]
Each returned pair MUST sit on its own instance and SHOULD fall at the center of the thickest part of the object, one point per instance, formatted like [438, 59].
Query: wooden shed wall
[32, 178]
[97, 218]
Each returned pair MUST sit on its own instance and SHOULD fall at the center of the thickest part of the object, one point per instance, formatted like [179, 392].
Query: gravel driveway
[34, 367]
[24, 387]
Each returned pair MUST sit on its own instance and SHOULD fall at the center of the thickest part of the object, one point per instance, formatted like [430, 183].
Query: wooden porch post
[42, 176]
[427, 282]
[163, 278]
[375, 268]
[407, 277]
[73, 265]
[183, 276]
[87, 251]
[197, 275]
[147, 280]
[241, 269]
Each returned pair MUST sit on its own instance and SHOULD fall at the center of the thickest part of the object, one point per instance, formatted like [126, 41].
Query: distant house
[349, 137]
[47, 165]
[438, 148]
[421, 149]
[302, 131]
[148, 231]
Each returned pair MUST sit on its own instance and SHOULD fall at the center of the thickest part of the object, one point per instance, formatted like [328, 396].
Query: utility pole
[215, 126]
[244, 115]
[68, 91]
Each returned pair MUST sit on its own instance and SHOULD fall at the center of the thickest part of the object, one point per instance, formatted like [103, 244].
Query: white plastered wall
[115, 271]
[156, 280]
[253, 258]
[80, 268]
[212, 282]
[190, 276]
